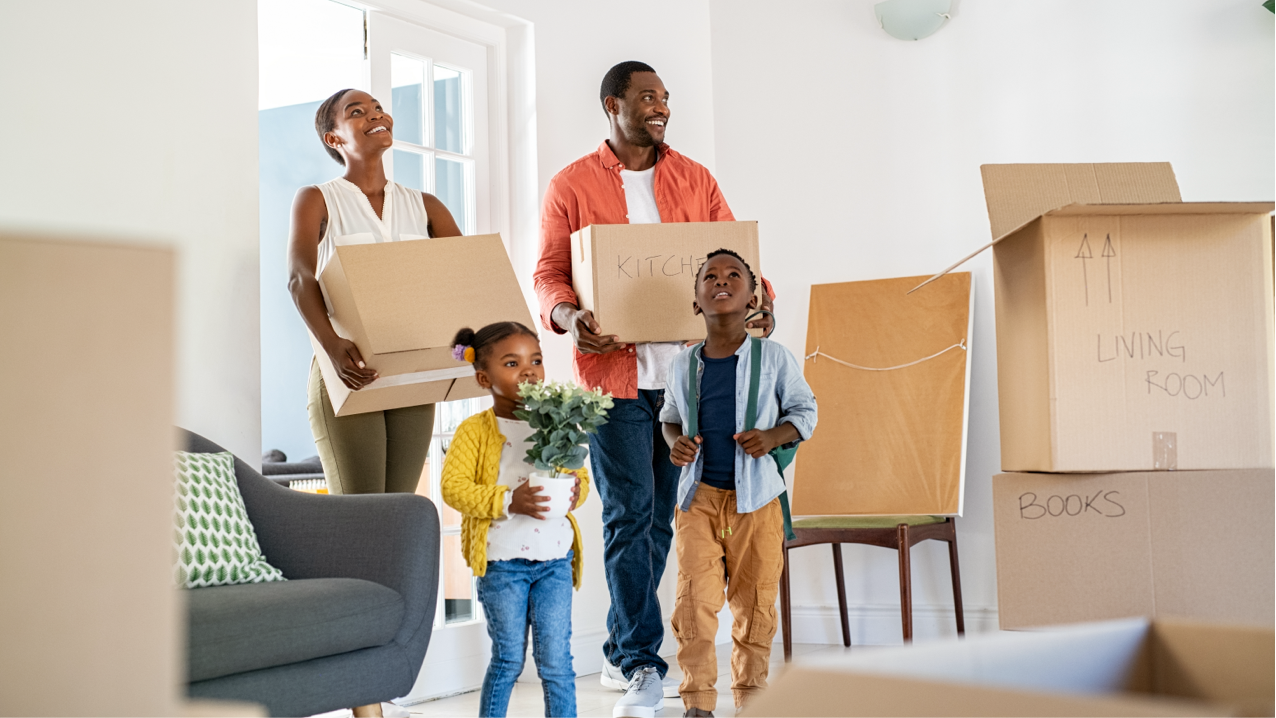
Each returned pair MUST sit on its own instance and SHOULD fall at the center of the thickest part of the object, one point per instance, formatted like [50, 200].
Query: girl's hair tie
[461, 352]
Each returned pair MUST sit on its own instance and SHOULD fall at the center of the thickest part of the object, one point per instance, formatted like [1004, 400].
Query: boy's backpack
[783, 457]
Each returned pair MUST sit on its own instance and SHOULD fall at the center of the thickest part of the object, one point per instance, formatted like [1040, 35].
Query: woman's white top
[516, 535]
[352, 221]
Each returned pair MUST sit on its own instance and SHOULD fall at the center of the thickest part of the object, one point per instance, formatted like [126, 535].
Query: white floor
[594, 700]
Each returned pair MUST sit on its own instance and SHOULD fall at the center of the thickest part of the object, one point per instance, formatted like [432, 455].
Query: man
[633, 177]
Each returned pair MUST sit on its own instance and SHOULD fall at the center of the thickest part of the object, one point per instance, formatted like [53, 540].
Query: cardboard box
[1196, 544]
[639, 279]
[1133, 667]
[889, 442]
[86, 464]
[401, 303]
[1134, 331]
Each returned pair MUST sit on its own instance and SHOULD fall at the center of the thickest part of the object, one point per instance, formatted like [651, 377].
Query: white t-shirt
[640, 198]
[516, 535]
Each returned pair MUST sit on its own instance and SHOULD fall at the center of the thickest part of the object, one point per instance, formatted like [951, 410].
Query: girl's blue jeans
[518, 595]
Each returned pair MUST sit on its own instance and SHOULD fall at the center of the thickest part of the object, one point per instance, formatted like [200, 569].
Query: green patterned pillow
[216, 543]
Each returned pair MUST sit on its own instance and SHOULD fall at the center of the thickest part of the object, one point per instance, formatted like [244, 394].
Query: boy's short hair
[753, 281]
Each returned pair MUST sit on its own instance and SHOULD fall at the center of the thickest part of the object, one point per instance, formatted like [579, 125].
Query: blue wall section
[291, 156]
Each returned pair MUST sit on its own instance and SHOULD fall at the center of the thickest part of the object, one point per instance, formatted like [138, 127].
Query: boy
[729, 525]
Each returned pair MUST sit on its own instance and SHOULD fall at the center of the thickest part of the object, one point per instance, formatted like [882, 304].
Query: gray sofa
[351, 624]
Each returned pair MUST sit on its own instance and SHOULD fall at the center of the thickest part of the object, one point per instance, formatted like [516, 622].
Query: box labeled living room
[1134, 331]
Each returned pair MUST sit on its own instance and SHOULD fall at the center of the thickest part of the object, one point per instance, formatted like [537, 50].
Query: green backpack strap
[783, 457]
[693, 394]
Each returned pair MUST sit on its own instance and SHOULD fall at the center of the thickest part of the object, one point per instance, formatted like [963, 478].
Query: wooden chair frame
[902, 538]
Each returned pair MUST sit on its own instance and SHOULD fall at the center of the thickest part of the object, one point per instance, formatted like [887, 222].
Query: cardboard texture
[1130, 337]
[401, 303]
[1083, 547]
[1133, 667]
[639, 279]
[91, 623]
[889, 442]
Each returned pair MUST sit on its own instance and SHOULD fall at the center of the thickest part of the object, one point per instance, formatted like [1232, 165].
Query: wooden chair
[897, 532]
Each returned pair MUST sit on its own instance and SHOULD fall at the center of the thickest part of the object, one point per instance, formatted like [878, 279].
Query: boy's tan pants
[744, 554]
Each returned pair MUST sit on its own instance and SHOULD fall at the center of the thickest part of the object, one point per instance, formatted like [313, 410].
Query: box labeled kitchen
[639, 279]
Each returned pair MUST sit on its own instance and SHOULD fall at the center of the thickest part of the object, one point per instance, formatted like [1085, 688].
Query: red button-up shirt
[590, 191]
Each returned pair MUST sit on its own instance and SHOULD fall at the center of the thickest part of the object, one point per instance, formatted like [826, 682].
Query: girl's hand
[528, 501]
[756, 442]
[348, 362]
[576, 492]
[684, 450]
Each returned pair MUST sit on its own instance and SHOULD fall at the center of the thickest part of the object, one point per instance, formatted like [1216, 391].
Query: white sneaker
[394, 710]
[644, 698]
[612, 677]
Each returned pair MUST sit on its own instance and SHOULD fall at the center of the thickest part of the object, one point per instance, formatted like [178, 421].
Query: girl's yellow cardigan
[469, 485]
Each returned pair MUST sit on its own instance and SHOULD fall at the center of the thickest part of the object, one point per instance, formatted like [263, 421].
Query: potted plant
[561, 415]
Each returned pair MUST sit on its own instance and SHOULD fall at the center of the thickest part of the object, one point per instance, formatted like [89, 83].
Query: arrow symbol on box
[1108, 253]
[1084, 253]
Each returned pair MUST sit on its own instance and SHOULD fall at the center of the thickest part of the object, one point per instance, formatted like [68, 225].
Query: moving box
[639, 279]
[401, 303]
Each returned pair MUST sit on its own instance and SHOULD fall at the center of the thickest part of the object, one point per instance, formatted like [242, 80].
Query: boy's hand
[528, 501]
[756, 442]
[684, 450]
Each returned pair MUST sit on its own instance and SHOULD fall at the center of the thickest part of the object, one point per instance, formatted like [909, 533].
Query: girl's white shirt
[516, 535]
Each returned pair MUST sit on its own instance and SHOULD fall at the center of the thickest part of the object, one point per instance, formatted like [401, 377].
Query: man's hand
[348, 362]
[528, 501]
[684, 450]
[586, 333]
[764, 322]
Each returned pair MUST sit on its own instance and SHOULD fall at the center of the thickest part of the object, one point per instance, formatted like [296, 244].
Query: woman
[380, 451]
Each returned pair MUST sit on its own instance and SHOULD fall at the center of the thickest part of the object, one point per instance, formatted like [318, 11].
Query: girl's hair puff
[483, 339]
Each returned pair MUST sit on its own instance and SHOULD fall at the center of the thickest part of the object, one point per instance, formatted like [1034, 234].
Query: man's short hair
[616, 81]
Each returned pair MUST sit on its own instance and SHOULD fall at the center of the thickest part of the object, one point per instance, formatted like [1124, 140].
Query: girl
[526, 565]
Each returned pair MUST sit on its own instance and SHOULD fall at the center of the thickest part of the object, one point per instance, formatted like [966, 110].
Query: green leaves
[562, 416]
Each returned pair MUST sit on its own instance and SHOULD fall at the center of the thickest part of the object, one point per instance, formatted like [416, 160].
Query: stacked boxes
[1135, 365]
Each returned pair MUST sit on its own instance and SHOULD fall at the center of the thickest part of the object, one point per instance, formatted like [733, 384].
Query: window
[435, 86]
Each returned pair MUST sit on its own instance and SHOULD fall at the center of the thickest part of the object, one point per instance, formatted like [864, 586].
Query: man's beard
[640, 136]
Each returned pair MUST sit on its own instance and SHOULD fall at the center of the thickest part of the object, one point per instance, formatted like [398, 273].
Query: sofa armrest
[390, 539]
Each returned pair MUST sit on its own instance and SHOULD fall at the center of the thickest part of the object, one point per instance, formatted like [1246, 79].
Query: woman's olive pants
[381, 452]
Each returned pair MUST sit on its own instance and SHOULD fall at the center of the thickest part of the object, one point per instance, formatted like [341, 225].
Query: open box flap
[1018, 194]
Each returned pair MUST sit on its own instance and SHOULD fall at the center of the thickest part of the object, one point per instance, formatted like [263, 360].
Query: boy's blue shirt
[783, 395]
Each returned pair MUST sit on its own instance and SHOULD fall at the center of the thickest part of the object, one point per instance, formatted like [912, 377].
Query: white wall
[859, 154]
[137, 120]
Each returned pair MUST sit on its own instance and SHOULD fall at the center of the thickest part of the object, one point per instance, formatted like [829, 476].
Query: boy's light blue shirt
[783, 395]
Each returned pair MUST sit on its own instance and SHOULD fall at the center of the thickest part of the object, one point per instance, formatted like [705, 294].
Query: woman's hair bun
[464, 338]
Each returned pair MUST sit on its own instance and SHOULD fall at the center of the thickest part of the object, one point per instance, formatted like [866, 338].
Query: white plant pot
[559, 490]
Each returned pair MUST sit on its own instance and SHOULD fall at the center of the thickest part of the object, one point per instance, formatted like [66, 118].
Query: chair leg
[841, 594]
[905, 584]
[786, 609]
[956, 572]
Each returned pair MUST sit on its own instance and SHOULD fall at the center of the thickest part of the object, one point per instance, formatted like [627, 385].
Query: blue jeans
[518, 594]
[638, 486]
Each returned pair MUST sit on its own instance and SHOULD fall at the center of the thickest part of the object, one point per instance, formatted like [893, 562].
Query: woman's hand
[684, 450]
[528, 501]
[349, 364]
